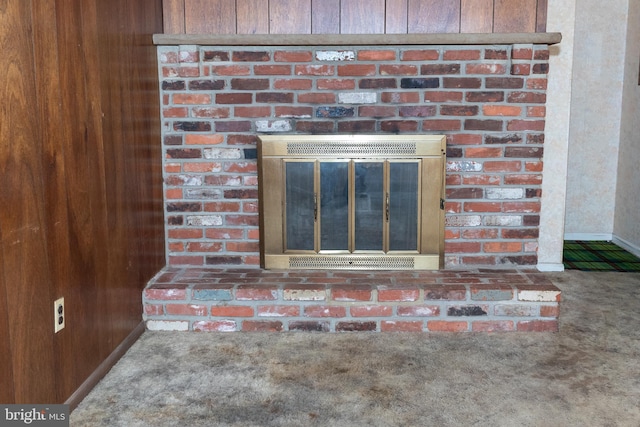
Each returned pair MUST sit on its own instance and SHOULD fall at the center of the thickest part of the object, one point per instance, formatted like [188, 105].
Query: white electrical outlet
[58, 315]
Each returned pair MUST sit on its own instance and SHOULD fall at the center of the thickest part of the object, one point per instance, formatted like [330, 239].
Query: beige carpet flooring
[587, 374]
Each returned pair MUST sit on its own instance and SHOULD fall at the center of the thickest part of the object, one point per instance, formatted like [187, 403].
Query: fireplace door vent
[345, 202]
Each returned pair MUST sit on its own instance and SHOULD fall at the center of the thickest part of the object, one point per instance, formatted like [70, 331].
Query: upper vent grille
[349, 148]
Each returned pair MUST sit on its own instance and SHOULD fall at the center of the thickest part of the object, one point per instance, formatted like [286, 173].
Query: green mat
[598, 256]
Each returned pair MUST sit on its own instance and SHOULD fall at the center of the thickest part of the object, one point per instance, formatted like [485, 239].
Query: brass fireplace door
[352, 201]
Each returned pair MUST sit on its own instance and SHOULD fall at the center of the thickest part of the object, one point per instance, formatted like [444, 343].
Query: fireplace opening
[368, 202]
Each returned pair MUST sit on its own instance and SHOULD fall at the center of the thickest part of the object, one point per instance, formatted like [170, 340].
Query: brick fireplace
[487, 99]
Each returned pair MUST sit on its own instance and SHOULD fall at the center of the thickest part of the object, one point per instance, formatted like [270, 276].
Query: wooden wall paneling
[290, 16]
[434, 16]
[81, 144]
[362, 16]
[6, 372]
[129, 88]
[514, 16]
[325, 16]
[396, 17]
[253, 16]
[173, 16]
[53, 161]
[24, 254]
[476, 16]
[210, 16]
[541, 16]
[147, 195]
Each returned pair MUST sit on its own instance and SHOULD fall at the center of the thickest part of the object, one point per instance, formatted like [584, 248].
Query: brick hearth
[208, 299]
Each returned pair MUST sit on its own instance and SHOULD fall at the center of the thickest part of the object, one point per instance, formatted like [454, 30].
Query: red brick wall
[488, 100]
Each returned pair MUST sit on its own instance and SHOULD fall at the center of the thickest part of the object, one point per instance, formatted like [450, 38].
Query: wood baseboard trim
[74, 400]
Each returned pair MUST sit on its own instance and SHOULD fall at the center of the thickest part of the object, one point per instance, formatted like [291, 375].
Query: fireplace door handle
[386, 208]
[315, 207]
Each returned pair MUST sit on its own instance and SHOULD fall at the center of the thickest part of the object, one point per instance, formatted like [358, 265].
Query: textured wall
[598, 73]
[627, 213]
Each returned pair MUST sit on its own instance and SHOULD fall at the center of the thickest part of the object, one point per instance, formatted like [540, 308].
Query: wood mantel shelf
[356, 39]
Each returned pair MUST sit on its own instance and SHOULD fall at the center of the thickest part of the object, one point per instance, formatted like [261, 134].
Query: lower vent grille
[353, 263]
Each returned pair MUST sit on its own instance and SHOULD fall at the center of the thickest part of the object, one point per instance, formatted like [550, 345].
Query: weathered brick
[400, 326]
[492, 326]
[351, 293]
[324, 311]
[355, 326]
[309, 326]
[419, 310]
[253, 293]
[186, 309]
[371, 311]
[261, 326]
[215, 326]
[447, 326]
[439, 69]
[491, 292]
[470, 310]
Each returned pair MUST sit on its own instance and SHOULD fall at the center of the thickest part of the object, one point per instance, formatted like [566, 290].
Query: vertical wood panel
[24, 267]
[541, 16]
[209, 16]
[396, 17]
[362, 17]
[80, 144]
[6, 365]
[476, 16]
[253, 16]
[515, 16]
[325, 16]
[434, 16]
[173, 17]
[290, 16]
[57, 219]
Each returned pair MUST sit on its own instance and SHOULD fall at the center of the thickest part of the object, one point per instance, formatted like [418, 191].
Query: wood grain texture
[24, 266]
[362, 16]
[396, 17]
[207, 16]
[253, 16]
[290, 16]
[476, 16]
[325, 16]
[84, 182]
[434, 16]
[514, 16]
[541, 16]
[354, 16]
[173, 18]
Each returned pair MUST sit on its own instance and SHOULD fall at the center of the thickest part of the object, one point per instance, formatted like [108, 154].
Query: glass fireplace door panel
[300, 201]
[369, 206]
[404, 200]
[334, 206]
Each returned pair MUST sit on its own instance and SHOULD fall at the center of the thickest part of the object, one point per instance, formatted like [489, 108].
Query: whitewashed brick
[504, 220]
[168, 325]
[538, 296]
[273, 126]
[504, 193]
[463, 220]
[358, 98]
[204, 220]
[335, 55]
[222, 153]
[464, 166]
